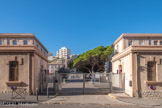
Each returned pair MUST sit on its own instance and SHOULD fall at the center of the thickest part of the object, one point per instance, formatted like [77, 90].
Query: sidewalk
[72, 93]
[33, 99]
[28, 98]
[136, 101]
[84, 100]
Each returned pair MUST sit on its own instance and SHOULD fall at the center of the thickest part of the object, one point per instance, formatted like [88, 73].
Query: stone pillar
[134, 75]
[33, 73]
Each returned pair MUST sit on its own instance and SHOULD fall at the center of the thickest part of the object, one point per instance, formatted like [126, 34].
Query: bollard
[54, 85]
[83, 83]
[47, 92]
[37, 94]
[110, 87]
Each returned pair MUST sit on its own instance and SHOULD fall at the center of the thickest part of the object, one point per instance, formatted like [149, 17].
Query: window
[8, 42]
[13, 71]
[140, 42]
[160, 42]
[145, 42]
[129, 43]
[149, 42]
[151, 71]
[0, 42]
[117, 48]
[25, 42]
[14, 42]
[155, 42]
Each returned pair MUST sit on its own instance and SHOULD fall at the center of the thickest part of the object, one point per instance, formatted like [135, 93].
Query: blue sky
[80, 24]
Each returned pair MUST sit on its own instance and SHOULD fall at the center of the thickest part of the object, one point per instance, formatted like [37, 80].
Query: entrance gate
[83, 83]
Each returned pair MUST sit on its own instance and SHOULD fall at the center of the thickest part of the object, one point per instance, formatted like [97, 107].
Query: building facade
[139, 57]
[63, 53]
[73, 56]
[55, 65]
[50, 58]
[23, 62]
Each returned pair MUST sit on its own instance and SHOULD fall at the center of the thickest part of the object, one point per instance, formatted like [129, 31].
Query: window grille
[151, 70]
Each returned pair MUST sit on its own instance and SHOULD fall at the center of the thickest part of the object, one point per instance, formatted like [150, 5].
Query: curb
[44, 102]
[70, 103]
[114, 97]
[110, 95]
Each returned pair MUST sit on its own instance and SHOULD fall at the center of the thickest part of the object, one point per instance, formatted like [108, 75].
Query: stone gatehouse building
[139, 57]
[23, 62]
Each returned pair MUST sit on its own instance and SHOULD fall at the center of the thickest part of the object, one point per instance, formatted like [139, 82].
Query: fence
[83, 83]
[118, 81]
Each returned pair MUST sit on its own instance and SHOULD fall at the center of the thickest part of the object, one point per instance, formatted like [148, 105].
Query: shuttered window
[151, 69]
[13, 71]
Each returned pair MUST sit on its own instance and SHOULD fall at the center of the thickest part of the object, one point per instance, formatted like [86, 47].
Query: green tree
[92, 60]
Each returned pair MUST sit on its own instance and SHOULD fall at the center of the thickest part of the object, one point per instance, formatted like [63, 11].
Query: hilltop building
[73, 56]
[63, 53]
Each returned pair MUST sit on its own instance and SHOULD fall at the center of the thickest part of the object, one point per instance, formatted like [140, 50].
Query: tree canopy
[92, 60]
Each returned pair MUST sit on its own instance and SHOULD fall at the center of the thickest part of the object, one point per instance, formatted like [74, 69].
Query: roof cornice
[21, 35]
[137, 35]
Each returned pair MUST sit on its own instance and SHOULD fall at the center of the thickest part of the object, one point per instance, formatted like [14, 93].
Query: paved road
[76, 88]
[85, 99]
[72, 93]
[72, 106]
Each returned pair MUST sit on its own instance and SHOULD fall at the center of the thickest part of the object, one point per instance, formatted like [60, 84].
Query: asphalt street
[72, 106]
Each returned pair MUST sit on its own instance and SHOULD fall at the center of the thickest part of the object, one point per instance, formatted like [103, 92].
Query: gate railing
[112, 81]
[100, 80]
[118, 81]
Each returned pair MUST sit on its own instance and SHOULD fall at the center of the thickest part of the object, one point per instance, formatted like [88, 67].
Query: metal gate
[83, 83]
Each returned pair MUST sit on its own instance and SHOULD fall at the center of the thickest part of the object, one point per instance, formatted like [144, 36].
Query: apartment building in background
[50, 58]
[73, 56]
[139, 57]
[63, 53]
[23, 62]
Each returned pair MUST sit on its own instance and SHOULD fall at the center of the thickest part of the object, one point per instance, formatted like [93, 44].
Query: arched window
[25, 42]
[14, 42]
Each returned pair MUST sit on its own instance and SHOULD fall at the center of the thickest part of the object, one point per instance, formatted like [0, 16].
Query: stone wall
[4, 70]
[150, 94]
[39, 62]
[144, 84]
